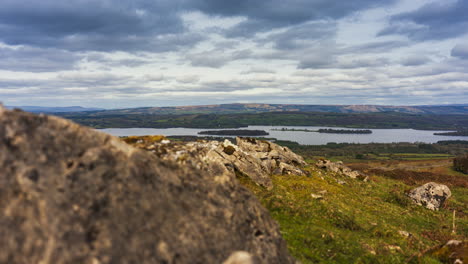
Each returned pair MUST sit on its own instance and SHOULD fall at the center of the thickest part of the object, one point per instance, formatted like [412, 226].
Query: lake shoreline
[306, 138]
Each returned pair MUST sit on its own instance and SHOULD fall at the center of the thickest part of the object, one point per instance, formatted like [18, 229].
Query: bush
[460, 163]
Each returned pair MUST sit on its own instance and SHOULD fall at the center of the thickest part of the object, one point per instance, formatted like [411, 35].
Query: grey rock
[431, 195]
[69, 194]
[339, 167]
[240, 257]
[256, 159]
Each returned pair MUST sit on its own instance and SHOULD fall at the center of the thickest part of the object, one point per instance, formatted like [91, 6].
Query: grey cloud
[103, 58]
[304, 35]
[189, 79]
[333, 59]
[257, 70]
[9, 84]
[94, 25]
[73, 84]
[155, 77]
[91, 79]
[313, 45]
[217, 58]
[29, 59]
[415, 60]
[265, 15]
[225, 86]
[317, 61]
[435, 20]
[362, 62]
[376, 47]
[460, 51]
[208, 59]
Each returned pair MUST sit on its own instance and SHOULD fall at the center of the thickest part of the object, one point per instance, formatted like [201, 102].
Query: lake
[304, 138]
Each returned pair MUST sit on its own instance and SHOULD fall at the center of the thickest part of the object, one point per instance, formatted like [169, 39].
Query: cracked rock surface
[256, 159]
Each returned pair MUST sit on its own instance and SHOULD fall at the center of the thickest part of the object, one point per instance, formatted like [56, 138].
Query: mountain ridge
[235, 108]
[46, 109]
[260, 108]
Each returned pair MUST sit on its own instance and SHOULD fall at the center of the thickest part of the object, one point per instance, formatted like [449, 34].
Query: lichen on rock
[430, 195]
[256, 159]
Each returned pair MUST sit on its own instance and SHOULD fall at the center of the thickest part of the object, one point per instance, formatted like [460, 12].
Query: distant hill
[261, 108]
[41, 109]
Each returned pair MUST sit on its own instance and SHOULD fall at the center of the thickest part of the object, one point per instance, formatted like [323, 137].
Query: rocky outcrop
[431, 195]
[70, 194]
[256, 159]
[339, 167]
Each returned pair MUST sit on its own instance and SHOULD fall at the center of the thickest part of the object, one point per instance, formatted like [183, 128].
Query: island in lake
[329, 130]
[453, 133]
[294, 130]
[345, 131]
[237, 132]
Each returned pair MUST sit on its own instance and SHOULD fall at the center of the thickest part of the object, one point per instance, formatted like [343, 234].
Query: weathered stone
[339, 167]
[70, 194]
[274, 151]
[239, 257]
[316, 196]
[404, 233]
[340, 182]
[256, 159]
[431, 195]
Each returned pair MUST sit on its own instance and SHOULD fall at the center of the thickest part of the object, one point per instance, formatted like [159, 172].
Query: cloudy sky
[130, 53]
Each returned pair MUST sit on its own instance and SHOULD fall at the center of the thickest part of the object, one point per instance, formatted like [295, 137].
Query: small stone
[404, 233]
[239, 257]
[341, 182]
[393, 248]
[316, 196]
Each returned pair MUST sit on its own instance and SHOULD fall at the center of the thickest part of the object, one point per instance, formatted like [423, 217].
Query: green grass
[357, 222]
[394, 156]
[416, 156]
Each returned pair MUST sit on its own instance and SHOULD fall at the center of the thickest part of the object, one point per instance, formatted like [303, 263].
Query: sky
[135, 53]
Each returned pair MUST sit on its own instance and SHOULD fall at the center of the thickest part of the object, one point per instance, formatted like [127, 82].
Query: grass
[358, 222]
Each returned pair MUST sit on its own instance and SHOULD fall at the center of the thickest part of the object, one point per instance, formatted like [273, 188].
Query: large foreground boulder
[431, 195]
[70, 194]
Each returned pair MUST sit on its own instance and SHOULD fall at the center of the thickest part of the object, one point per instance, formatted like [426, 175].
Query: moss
[229, 150]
